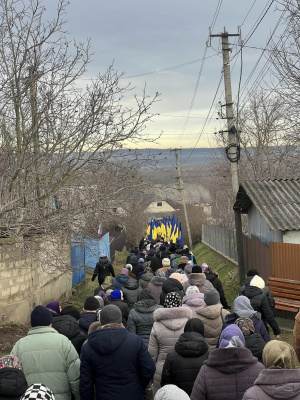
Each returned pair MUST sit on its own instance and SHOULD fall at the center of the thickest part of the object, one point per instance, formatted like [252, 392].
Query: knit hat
[246, 325]
[110, 315]
[124, 271]
[211, 297]
[116, 295]
[258, 282]
[252, 272]
[54, 306]
[38, 391]
[279, 354]
[242, 307]
[172, 299]
[40, 316]
[166, 262]
[194, 325]
[10, 361]
[91, 304]
[205, 267]
[161, 274]
[177, 276]
[171, 392]
[196, 269]
[100, 301]
[141, 260]
[145, 295]
[232, 336]
[162, 248]
[72, 311]
[129, 267]
[191, 289]
[133, 260]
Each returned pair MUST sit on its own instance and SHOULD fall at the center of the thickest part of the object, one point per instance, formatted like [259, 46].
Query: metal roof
[278, 201]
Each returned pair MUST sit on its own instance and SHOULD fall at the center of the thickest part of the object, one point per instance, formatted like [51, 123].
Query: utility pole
[180, 181]
[232, 148]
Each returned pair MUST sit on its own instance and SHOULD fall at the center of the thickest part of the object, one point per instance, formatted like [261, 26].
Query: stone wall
[33, 274]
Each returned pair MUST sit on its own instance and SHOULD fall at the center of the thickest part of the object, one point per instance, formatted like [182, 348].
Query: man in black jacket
[103, 269]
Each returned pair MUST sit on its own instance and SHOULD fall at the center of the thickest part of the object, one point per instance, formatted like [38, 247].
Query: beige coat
[296, 335]
[199, 280]
[212, 321]
[168, 326]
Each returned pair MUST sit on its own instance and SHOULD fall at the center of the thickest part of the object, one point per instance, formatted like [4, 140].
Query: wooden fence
[257, 256]
[285, 260]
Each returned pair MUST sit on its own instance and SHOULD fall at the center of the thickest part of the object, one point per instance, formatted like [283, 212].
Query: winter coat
[156, 262]
[103, 269]
[50, 358]
[117, 363]
[211, 316]
[85, 320]
[194, 301]
[183, 364]
[69, 327]
[226, 375]
[145, 279]
[12, 383]
[199, 280]
[123, 308]
[155, 287]
[168, 326]
[131, 290]
[140, 319]
[275, 383]
[265, 291]
[260, 303]
[255, 343]
[137, 269]
[170, 285]
[213, 278]
[296, 335]
[256, 319]
[119, 281]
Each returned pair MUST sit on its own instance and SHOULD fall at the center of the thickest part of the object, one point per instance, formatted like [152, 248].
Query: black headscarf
[194, 325]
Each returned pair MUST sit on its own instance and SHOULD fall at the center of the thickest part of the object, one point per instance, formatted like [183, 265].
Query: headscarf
[246, 325]
[124, 271]
[232, 336]
[38, 391]
[10, 361]
[194, 325]
[172, 299]
[242, 307]
[54, 306]
[192, 289]
[205, 267]
[279, 354]
[161, 274]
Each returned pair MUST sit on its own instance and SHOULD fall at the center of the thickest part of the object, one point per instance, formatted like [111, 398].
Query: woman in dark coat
[131, 290]
[172, 284]
[182, 365]
[12, 379]
[253, 341]
[103, 269]
[229, 370]
[213, 278]
[242, 308]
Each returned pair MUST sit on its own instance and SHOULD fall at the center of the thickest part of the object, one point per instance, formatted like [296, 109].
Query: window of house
[159, 204]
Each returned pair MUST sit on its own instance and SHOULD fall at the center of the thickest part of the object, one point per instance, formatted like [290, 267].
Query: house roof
[278, 201]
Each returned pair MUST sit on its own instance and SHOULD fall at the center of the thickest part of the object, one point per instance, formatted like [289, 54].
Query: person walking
[49, 357]
[12, 379]
[103, 269]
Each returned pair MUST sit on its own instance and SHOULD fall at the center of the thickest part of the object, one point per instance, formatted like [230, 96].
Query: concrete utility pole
[180, 181]
[232, 149]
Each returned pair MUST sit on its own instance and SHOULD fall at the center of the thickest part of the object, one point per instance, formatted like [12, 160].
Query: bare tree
[51, 129]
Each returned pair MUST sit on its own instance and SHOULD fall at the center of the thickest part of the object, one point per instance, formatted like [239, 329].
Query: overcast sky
[144, 37]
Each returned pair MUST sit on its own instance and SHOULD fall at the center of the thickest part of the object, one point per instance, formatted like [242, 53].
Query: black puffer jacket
[12, 383]
[103, 269]
[140, 320]
[255, 343]
[265, 291]
[183, 364]
[131, 290]
[260, 303]
[85, 320]
[68, 326]
[170, 285]
[156, 261]
[145, 279]
[217, 284]
[123, 308]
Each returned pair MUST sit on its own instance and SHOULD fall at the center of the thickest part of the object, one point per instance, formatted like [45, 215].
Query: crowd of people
[159, 329]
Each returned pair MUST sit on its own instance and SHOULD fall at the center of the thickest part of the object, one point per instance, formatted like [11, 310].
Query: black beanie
[72, 311]
[91, 304]
[40, 316]
[194, 325]
[252, 272]
[196, 269]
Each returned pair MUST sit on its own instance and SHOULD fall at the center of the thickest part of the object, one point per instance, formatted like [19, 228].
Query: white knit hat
[171, 392]
[166, 262]
[258, 282]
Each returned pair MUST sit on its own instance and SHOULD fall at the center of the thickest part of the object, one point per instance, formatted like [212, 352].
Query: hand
[277, 337]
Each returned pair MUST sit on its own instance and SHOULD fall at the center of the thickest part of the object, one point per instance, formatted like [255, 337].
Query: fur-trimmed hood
[158, 280]
[197, 279]
[172, 318]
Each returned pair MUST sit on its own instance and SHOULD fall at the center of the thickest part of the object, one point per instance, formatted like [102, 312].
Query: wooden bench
[286, 293]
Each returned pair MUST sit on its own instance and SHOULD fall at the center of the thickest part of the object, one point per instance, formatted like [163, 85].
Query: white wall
[291, 237]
